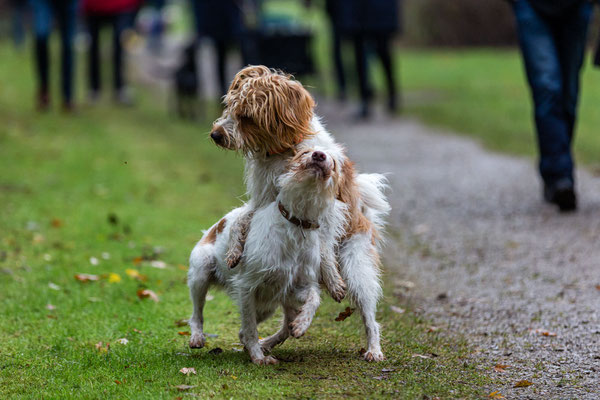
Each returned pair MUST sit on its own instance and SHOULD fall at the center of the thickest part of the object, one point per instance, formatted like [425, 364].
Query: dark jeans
[382, 46]
[65, 12]
[553, 50]
[119, 22]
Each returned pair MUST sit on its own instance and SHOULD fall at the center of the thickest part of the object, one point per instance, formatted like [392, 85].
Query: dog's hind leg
[267, 344]
[359, 268]
[249, 330]
[200, 276]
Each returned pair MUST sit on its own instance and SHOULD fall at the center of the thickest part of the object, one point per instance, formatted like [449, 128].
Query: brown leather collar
[298, 222]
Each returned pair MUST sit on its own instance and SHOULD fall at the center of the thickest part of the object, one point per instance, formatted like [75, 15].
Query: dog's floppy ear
[275, 112]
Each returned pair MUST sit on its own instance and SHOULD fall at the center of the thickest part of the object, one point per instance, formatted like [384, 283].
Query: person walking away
[18, 11]
[119, 14]
[44, 12]
[372, 24]
[552, 38]
[222, 22]
[332, 7]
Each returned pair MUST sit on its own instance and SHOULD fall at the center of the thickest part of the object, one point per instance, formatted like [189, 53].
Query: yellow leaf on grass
[523, 383]
[114, 278]
[135, 274]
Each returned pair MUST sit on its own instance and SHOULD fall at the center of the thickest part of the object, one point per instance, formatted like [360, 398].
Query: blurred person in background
[157, 25]
[18, 10]
[120, 15]
[332, 7]
[372, 24]
[222, 22]
[44, 13]
[552, 37]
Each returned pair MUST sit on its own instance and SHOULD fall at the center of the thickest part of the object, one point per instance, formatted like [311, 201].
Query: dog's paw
[374, 356]
[197, 341]
[233, 258]
[338, 291]
[266, 360]
[299, 326]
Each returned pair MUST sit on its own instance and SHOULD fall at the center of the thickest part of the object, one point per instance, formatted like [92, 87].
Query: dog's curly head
[266, 112]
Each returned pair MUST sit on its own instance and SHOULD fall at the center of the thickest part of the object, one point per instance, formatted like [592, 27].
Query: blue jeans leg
[552, 50]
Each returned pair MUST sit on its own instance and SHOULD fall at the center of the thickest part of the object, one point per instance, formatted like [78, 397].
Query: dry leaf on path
[495, 395]
[188, 371]
[87, 277]
[501, 367]
[523, 383]
[543, 332]
[345, 314]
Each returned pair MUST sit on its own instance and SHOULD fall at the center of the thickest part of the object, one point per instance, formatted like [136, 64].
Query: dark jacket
[369, 17]
[552, 7]
[218, 19]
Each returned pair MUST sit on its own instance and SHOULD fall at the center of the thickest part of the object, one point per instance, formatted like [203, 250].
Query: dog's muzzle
[217, 137]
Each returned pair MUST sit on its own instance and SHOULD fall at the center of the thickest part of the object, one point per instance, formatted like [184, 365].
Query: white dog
[282, 261]
[269, 117]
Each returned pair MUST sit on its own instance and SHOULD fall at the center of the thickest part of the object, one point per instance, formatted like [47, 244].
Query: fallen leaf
[181, 322]
[182, 267]
[523, 383]
[421, 356]
[114, 278]
[183, 333]
[543, 332]
[188, 371]
[598, 287]
[138, 260]
[147, 293]
[117, 382]
[56, 223]
[50, 307]
[432, 329]
[501, 367]
[397, 310]
[215, 351]
[86, 277]
[137, 330]
[345, 314]
[158, 264]
[102, 348]
[495, 395]
[135, 274]
[53, 286]
[182, 388]
[123, 341]
[233, 377]
[51, 316]
[94, 261]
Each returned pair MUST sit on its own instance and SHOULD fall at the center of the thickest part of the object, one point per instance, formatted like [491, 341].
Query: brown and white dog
[269, 118]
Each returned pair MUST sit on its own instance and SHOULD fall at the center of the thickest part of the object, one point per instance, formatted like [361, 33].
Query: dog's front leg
[330, 274]
[249, 330]
[237, 239]
[301, 323]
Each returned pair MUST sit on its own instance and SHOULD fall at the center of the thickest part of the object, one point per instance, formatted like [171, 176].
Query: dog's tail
[375, 205]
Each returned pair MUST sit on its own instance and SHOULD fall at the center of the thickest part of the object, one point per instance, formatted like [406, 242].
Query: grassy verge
[108, 191]
[483, 94]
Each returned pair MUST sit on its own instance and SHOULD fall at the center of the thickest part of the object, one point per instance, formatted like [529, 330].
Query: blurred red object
[108, 7]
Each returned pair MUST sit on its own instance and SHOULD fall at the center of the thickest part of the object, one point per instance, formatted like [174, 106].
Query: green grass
[61, 177]
[483, 94]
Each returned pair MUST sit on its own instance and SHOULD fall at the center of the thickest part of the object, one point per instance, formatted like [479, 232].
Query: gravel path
[489, 259]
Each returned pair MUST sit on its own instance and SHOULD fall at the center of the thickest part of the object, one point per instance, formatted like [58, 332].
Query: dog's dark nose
[319, 156]
[216, 136]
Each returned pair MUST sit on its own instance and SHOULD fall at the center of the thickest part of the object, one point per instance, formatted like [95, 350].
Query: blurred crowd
[228, 25]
